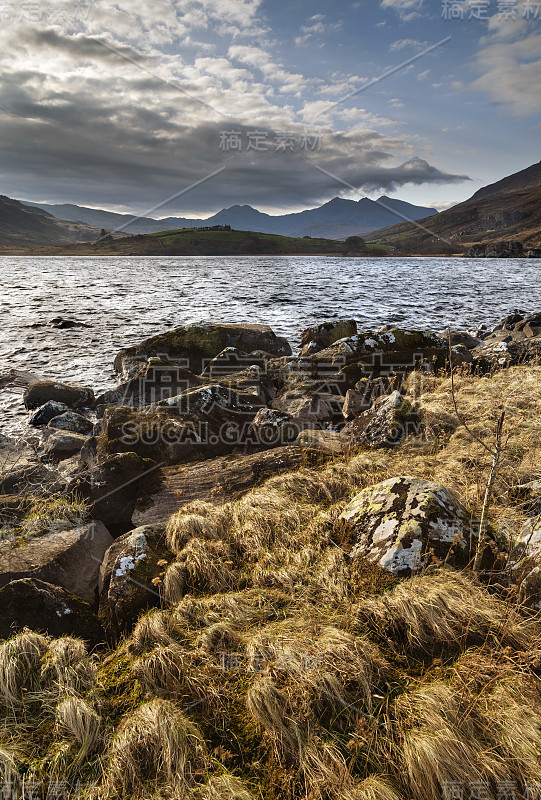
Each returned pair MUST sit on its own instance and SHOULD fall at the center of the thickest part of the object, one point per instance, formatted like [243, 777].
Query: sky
[183, 107]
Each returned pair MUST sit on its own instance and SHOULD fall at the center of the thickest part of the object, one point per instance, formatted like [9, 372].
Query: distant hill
[193, 242]
[508, 210]
[24, 226]
[336, 219]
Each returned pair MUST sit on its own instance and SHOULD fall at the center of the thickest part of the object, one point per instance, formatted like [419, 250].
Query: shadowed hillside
[509, 210]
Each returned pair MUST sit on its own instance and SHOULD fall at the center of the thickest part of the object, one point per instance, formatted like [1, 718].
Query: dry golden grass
[77, 720]
[20, 661]
[155, 745]
[445, 609]
[346, 684]
[67, 666]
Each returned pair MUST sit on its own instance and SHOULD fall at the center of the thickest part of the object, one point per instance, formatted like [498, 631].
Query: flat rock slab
[217, 481]
[70, 559]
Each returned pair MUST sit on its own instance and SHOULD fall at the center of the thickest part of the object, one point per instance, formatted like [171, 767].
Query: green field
[190, 241]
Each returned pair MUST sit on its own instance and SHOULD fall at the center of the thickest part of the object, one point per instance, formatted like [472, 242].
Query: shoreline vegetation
[248, 574]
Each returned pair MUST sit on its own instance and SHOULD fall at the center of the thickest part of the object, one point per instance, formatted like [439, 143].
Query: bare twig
[496, 454]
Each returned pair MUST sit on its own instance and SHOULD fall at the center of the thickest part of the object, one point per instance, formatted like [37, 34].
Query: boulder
[64, 324]
[318, 337]
[515, 340]
[69, 558]
[231, 360]
[369, 354]
[194, 346]
[310, 408]
[461, 337]
[355, 403]
[201, 423]
[404, 524]
[41, 606]
[325, 441]
[390, 421]
[272, 428]
[30, 479]
[161, 434]
[156, 380]
[130, 577]
[59, 445]
[114, 486]
[45, 413]
[37, 394]
[70, 421]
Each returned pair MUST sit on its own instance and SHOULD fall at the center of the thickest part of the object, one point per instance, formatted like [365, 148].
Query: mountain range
[508, 210]
[336, 219]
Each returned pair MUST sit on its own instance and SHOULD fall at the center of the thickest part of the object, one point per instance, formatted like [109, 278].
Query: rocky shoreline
[246, 573]
[203, 412]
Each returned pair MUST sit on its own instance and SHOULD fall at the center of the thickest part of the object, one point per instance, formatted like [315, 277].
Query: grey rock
[41, 606]
[37, 394]
[67, 558]
[114, 485]
[403, 522]
[45, 413]
[272, 428]
[389, 422]
[318, 337]
[71, 421]
[59, 445]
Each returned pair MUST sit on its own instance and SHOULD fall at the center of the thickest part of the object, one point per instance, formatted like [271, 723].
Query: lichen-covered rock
[37, 394]
[70, 421]
[515, 340]
[196, 345]
[67, 558]
[272, 428]
[318, 337]
[45, 413]
[391, 351]
[405, 522]
[130, 577]
[41, 606]
[390, 421]
[310, 408]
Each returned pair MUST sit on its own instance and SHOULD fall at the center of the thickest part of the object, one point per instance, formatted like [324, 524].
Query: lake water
[127, 299]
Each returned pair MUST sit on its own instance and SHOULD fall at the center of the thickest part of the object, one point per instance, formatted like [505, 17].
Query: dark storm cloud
[80, 46]
[115, 136]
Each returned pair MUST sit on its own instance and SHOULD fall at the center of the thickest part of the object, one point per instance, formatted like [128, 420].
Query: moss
[117, 692]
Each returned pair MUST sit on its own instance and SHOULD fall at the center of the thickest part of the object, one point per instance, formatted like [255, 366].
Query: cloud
[316, 29]
[407, 9]
[509, 63]
[400, 44]
[129, 126]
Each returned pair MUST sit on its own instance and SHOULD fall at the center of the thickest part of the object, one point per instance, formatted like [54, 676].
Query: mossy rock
[198, 344]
